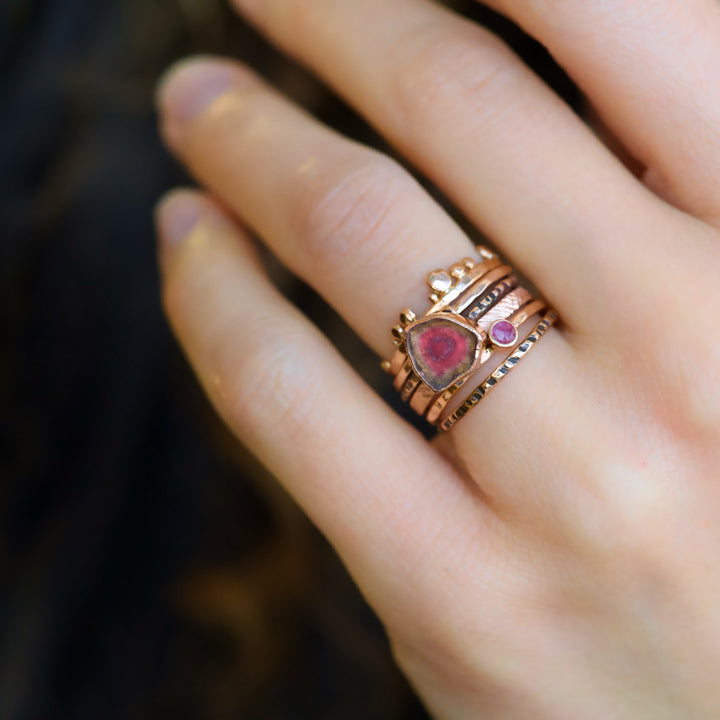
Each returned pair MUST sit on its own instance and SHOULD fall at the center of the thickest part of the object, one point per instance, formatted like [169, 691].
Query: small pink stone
[504, 333]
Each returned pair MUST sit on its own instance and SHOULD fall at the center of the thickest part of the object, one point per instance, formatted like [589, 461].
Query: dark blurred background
[149, 568]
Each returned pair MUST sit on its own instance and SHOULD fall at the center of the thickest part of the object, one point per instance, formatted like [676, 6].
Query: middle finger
[476, 120]
[348, 220]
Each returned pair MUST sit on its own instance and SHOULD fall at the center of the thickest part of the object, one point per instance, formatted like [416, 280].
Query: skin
[557, 554]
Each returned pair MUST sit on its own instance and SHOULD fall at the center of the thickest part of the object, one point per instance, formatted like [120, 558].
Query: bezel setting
[494, 332]
[449, 363]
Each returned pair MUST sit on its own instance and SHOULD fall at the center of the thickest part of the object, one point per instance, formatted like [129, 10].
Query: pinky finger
[373, 485]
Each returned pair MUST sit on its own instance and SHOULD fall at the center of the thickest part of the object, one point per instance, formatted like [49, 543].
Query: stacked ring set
[478, 308]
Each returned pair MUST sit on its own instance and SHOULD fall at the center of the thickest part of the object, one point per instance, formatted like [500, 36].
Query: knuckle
[357, 214]
[443, 73]
[668, 355]
[269, 387]
[626, 525]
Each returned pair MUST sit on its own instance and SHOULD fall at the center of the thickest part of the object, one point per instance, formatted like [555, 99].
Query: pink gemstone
[441, 350]
[504, 333]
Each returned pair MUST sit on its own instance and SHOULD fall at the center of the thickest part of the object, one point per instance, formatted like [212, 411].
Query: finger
[348, 220]
[371, 484]
[464, 109]
[248, 145]
[651, 69]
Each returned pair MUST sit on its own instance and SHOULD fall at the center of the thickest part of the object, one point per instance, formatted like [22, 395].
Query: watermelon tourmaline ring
[478, 308]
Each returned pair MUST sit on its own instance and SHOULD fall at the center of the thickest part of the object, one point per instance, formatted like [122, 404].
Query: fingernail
[189, 87]
[176, 215]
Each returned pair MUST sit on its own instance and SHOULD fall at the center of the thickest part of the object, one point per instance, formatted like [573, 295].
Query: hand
[557, 554]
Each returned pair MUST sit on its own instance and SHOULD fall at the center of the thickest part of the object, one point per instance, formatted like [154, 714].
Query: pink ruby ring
[478, 308]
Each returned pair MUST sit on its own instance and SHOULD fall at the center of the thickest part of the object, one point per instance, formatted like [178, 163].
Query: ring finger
[349, 221]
